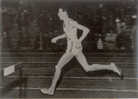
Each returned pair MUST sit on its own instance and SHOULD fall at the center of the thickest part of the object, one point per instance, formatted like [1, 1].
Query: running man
[74, 49]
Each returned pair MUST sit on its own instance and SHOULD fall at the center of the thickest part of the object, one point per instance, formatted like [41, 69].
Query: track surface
[39, 67]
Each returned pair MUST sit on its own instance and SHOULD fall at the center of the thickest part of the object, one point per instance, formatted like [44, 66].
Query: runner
[74, 49]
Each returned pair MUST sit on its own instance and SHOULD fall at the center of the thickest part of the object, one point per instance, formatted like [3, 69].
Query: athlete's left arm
[84, 29]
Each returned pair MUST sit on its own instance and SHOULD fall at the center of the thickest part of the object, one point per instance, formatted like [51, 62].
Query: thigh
[82, 59]
[64, 60]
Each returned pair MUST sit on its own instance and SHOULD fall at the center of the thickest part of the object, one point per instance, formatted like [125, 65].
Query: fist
[53, 40]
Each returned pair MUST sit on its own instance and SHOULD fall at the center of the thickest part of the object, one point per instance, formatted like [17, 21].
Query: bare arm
[58, 37]
[85, 31]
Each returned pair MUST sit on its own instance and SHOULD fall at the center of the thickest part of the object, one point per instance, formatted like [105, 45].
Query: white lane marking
[89, 78]
[59, 56]
[63, 52]
[107, 90]
[87, 89]
[121, 63]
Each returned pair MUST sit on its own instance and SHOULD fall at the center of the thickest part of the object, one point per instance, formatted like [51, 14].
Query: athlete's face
[62, 15]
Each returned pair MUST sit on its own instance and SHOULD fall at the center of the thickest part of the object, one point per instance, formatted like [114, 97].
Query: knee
[90, 68]
[86, 69]
[58, 69]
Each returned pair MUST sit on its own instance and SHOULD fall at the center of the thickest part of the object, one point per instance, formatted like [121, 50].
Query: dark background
[30, 24]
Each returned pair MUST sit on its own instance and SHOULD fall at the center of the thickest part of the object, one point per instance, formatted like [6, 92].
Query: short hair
[62, 12]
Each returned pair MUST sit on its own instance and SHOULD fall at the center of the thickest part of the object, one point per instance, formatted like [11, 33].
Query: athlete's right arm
[54, 40]
[83, 28]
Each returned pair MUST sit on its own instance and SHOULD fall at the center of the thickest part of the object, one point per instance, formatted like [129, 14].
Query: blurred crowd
[31, 26]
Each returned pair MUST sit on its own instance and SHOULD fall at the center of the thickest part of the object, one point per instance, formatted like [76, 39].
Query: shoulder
[73, 22]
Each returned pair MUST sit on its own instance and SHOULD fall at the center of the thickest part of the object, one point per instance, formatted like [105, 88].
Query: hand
[53, 40]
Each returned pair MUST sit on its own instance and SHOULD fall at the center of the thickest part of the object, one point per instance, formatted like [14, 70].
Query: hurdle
[20, 82]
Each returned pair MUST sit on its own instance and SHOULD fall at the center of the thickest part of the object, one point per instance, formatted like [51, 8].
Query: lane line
[59, 56]
[85, 89]
[89, 78]
[89, 62]
[107, 90]
[61, 52]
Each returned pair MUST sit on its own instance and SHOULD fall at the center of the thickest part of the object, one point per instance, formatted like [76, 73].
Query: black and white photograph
[68, 49]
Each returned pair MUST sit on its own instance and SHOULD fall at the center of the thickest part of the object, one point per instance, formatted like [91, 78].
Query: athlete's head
[63, 15]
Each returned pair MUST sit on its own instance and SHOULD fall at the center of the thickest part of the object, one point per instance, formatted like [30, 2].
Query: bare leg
[62, 62]
[95, 67]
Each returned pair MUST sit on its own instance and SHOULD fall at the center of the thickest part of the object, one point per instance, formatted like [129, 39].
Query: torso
[70, 30]
[71, 34]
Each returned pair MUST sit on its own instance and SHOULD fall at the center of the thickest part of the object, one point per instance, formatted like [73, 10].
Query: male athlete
[74, 49]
